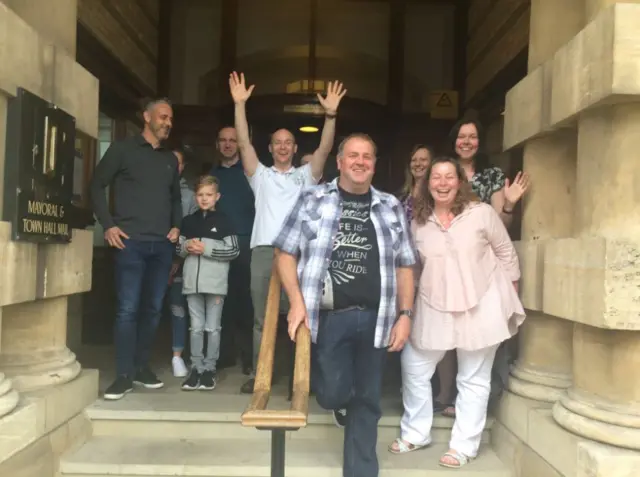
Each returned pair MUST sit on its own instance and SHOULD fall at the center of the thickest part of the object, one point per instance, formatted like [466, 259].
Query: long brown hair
[409, 181]
[424, 204]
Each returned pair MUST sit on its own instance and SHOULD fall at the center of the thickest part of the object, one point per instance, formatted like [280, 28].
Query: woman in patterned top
[421, 156]
[489, 183]
[492, 187]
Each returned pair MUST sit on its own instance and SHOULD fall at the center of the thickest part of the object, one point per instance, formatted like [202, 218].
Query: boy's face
[207, 196]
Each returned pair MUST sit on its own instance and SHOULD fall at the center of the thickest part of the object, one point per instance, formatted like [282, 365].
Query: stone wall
[574, 403]
[43, 389]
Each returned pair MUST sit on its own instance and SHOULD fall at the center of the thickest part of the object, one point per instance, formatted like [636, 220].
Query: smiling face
[356, 164]
[283, 147]
[419, 163]
[207, 196]
[467, 142]
[444, 184]
[158, 119]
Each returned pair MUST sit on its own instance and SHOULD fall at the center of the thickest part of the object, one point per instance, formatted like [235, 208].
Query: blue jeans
[142, 273]
[179, 315]
[348, 373]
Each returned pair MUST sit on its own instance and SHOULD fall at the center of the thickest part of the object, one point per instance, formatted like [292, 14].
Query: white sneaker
[179, 368]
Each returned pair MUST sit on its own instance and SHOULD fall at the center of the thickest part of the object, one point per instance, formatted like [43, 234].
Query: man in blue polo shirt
[237, 203]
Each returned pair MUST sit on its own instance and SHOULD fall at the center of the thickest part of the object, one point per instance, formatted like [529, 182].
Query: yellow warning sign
[443, 104]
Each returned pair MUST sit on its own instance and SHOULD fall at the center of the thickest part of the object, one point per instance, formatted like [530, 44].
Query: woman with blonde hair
[414, 174]
[467, 301]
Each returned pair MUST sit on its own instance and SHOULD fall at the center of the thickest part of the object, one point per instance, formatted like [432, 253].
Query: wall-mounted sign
[443, 104]
[39, 160]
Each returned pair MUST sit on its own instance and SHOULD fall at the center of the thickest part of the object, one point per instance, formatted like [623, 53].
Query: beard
[159, 131]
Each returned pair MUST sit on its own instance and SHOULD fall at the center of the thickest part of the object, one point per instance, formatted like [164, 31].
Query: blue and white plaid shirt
[309, 232]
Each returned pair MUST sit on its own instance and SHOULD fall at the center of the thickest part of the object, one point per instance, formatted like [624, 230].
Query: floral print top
[407, 204]
[487, 182]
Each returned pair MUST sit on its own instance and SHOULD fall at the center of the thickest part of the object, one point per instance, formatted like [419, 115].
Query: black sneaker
[340, 417]
[208, 381]
[121, 386]
[145, 377]
[247, 388]
[192, 382]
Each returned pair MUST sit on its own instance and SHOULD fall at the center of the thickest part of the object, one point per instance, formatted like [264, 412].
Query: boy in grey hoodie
[208, 244]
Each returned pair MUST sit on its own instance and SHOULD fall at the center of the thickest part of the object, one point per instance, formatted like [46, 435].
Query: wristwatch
[407, 313]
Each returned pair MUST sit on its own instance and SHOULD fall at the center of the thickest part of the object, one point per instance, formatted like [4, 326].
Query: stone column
[603, 403]
[33, 349]
[8, 395]
[543, 369]
[36, 279]
[593, 7]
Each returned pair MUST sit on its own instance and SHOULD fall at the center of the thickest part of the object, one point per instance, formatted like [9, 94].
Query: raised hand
[335, 93]
[239, 91]
[514, 191]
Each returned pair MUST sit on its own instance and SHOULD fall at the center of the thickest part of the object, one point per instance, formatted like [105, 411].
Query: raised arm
[330, 103]
[505, 199]
[240, 94]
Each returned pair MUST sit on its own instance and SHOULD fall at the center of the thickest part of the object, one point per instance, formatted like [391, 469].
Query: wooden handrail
[257, 414]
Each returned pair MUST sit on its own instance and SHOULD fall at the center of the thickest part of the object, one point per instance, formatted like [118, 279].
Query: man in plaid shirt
[345, 258]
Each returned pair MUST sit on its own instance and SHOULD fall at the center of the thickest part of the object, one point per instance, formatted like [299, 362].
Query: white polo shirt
[276, 193]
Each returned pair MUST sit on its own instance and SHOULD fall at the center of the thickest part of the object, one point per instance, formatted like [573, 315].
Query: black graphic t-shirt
[354, 271]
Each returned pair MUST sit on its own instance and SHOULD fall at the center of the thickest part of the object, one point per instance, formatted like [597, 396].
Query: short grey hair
[151, 104]
[361, 136]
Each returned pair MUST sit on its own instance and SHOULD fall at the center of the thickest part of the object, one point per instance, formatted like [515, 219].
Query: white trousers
[474, 385]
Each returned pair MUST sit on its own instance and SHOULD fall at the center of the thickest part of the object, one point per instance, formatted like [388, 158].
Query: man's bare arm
[286, 265]
[240, 94]
[330, 103]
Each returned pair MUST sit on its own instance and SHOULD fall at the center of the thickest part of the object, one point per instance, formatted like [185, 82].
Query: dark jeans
[142, 275]
[237, 314]
[348, 374]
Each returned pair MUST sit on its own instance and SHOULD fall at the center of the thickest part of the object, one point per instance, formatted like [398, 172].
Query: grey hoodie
[207, 273]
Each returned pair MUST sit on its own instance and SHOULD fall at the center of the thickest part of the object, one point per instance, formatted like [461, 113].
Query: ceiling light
[309, 129]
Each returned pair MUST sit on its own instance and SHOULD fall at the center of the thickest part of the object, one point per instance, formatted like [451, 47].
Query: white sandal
[403, 448]
[461, 459]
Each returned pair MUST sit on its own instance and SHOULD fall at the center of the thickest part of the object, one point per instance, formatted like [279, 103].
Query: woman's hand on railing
[296, 316]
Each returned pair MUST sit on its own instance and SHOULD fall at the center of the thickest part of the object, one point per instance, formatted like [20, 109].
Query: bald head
[282, 147]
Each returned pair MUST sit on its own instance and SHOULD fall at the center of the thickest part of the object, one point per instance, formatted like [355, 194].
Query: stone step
[130, 456]
[211, 415]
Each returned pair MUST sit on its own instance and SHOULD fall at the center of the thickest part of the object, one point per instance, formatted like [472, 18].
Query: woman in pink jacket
[467, 300]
